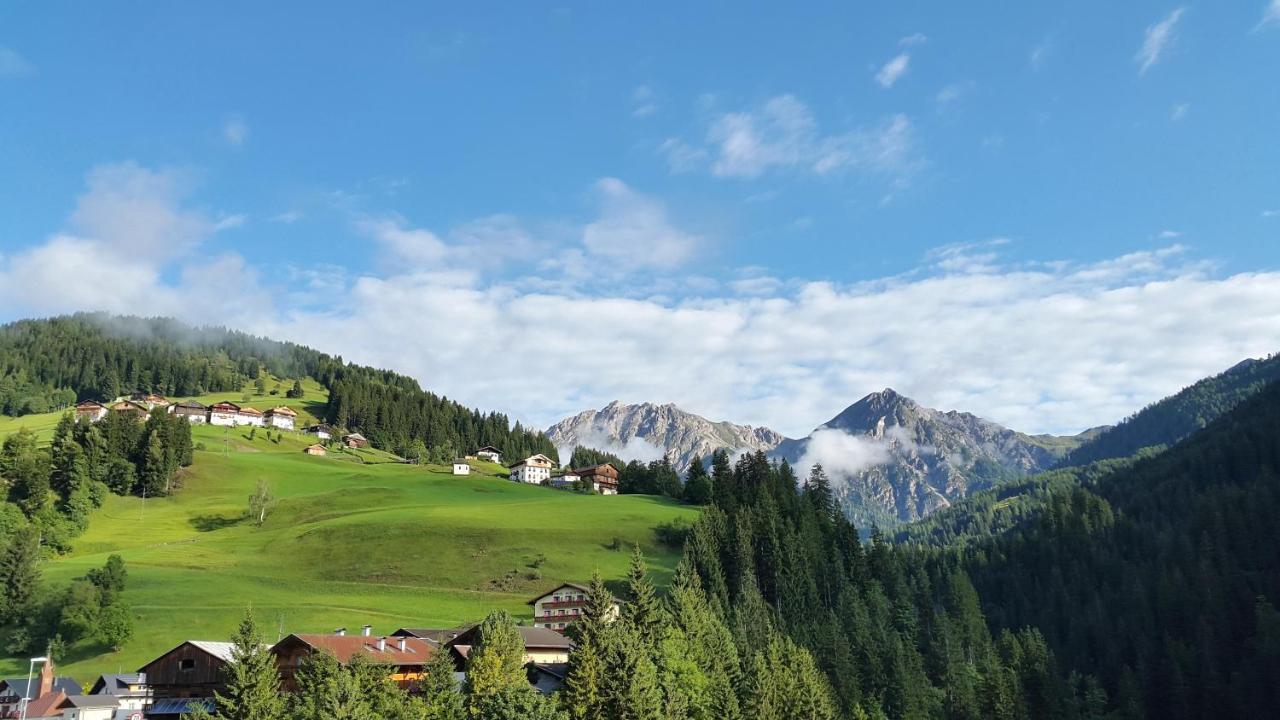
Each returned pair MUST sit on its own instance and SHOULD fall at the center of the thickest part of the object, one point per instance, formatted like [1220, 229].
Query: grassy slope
[348, 543]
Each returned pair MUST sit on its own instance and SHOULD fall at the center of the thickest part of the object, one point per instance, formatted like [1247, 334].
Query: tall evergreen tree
[495, 663]
[253, 684]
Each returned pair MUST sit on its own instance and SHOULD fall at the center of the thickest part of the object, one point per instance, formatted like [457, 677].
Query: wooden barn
[194, 669]
[355, 440]
[316, 449]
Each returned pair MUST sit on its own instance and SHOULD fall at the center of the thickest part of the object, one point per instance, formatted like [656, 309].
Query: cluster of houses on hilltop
[185, 678]
[541, 470]
[224, 413]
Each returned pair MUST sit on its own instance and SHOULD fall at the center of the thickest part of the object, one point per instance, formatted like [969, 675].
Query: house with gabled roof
[534, 470]
[129, 407]
[224, 413]
[490, 453]
[44, 693]
[90, 410]
[355, 440]
[404, 656]
[192, 411]
[250, 416]
[562, 606]
[192, 670]
[282, 417]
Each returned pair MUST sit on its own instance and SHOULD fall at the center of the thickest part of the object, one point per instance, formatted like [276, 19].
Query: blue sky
[472, 194]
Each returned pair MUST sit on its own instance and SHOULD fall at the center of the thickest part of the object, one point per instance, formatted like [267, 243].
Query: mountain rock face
[646, 431]
[891, 459]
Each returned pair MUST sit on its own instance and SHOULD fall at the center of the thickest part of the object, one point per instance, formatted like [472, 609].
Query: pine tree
[631, 682]
[496, 661]
[584, 693]
[818, 493]
[643, 610]
[253, 684]
[698, 488]
[439, 691]
[327, 690]
[19, 573]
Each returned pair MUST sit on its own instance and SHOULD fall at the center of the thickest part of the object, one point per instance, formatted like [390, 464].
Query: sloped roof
[18, 685]
[250, 411]
[539, 457]
[225, 404]
[191, 405]
[221, 650]
[117, 684]
[344, 647]
[537, 638]
[90, 701]
[46, 706]
[282, 410]
[179, 706]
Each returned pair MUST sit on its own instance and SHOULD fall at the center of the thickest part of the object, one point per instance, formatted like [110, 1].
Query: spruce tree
[253, 684]
[19, 573]
[631, 682]
[496, 661]
[643, 609]
[584, 693]
[439, 691]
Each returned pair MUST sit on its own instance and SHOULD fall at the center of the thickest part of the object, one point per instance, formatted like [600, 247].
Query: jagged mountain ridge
[679, 433]
[917, 460]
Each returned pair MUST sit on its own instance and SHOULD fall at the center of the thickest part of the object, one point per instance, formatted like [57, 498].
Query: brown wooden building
[603, 477]
[191, 670]
[91, 409]
[405, 656]
[192, 411]
[355, 440]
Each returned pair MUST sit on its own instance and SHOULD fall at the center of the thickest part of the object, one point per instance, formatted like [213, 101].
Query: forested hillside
[49, 364]
[1163, 578]
[1177, 416]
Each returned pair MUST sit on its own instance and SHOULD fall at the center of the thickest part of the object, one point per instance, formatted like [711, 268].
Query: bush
[674, 533]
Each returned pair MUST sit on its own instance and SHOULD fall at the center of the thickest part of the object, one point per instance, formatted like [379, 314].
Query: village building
[187, 677]
[316, 449]
[534, 470]
[89, 707]
[44, 693]
[404, 656]
[490, 453]
[281, 417]
[194, 412]
[355, 440]
[250, 416]
[541, 646]
[461, 467]
[129, 407]
[564, 605]
[130, 690]
[91, 410]
[322, 431]
[225, 413]
[150, 400]
[603, 477]
[565, 481]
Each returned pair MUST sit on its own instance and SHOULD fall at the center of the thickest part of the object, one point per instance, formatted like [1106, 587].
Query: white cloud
[1270, 213]
[1050, 346]
[1039, 54]
[288, 217]
[893, 70]
[782, 134]
[235, 131]
[643, 101]
[1270, 16]
[1169, 234]
[913, 40]
[138, 212]
[952, 92]
[1159, 38]
[842, 454]
[681, 156]
[1179, 111]
[634, 448]
[634, 230]
[14, 65]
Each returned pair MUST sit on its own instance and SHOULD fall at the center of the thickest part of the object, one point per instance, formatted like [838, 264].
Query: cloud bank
[1041, 347]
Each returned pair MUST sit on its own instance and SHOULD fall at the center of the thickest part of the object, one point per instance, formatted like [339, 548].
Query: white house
[224, 413]
[461, 467]
[90, 707]
[533, 469]
[565, 481]
[250, 416]
[490, 453]
[281, 417]
[194, 412]
[563, 606]
[321, 431]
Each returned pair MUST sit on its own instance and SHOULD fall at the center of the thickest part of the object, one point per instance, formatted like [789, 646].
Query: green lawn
[350, 541]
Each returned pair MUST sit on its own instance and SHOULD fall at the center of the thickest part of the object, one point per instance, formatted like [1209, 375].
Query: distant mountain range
[892, 458]
[646, 431]
[895, 459]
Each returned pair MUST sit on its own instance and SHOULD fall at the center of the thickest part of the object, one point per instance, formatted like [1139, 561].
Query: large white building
[224, 413]
[534, 469]
[281, 417]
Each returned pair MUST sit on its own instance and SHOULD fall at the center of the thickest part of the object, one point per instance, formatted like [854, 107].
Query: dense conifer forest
[50, 364]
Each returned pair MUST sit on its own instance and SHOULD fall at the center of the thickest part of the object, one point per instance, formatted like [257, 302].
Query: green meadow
[353, 538]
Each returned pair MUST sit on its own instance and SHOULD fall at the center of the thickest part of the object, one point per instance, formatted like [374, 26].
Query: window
[187, 664]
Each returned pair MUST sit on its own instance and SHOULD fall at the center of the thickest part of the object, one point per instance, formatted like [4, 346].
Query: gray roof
[91, 701]
[18, 685]
[117, 684]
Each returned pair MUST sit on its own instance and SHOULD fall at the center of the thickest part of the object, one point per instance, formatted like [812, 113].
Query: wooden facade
[603, 477]
[403, 656]
[191, 670]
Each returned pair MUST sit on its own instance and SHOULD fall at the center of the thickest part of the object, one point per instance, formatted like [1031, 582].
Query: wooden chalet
[603, 477]
[151, 400]
[281, 417]
[90, 410]
[194, 412]
[129, 407]
[541, 645]
[315, 449]
[490, 453]
[562, 606]
[192, 670]
[405, 656]
[355, 440]
[322, 431]
[225, 413]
